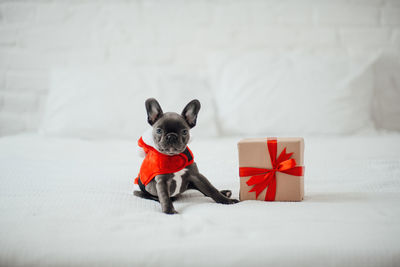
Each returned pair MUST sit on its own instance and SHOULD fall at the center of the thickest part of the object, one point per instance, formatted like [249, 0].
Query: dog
[168, 168]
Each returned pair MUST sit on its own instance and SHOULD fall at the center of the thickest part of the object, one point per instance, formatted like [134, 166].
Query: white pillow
[386, 107]
[267, 93]
[108, 102]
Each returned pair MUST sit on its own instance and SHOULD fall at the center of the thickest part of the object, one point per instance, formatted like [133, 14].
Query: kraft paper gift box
[271, 169]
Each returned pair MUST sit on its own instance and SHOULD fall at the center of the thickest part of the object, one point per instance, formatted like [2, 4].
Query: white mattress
[69, 202]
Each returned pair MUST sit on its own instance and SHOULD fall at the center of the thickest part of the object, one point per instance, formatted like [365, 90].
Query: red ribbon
[263, 178]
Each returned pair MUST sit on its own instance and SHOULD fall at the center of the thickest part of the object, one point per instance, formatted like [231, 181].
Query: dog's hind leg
[227, 193]
[200, 182]
[145, 195]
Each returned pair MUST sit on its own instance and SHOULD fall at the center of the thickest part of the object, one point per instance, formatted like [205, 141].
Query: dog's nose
[171, 137]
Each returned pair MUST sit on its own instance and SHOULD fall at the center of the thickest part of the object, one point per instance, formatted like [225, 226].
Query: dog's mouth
[170, 151]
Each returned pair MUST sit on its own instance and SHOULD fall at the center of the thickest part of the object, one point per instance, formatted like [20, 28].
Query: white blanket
[69, 202]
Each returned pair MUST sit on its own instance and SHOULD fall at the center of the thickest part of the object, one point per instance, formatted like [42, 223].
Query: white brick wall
[37, 36]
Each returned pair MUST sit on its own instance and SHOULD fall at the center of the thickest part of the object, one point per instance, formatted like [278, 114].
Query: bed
[68, 201]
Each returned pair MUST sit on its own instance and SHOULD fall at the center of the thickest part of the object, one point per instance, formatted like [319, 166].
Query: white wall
[37, 36]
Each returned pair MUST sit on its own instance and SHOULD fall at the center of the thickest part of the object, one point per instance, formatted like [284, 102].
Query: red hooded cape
[156, 163]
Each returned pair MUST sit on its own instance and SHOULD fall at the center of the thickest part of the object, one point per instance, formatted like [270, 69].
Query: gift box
[271, 169]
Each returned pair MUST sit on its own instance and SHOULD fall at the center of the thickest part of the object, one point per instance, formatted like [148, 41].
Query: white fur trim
[147, 137]
[140, 152]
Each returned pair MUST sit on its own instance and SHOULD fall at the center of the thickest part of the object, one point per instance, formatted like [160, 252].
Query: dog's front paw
[170, 211]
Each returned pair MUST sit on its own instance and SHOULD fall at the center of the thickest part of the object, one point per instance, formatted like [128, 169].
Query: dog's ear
[154, 111]
[190, 112]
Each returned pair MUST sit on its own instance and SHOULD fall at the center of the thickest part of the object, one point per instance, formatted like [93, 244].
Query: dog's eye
[184, 132]
[158, 131]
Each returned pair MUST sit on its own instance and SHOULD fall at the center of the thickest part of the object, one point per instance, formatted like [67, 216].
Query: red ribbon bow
[262, 178]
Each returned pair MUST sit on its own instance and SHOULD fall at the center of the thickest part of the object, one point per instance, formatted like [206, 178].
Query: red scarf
[156, 163]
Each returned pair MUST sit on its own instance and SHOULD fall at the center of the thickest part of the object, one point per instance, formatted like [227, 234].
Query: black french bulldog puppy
[171, 133]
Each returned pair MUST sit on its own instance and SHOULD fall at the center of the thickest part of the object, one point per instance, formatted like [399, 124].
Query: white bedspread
[69, 202]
